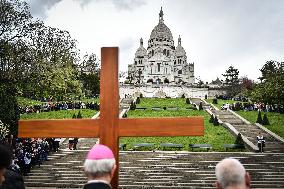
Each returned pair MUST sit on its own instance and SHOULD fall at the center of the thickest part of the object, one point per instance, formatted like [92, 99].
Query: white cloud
[215, 34]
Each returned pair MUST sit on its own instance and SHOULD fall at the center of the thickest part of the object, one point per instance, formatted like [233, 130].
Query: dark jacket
[98, 185]
[13, 180]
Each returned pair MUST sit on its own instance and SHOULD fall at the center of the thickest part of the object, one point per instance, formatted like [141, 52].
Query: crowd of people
[246, 106]
[56, 106]
[30, 152]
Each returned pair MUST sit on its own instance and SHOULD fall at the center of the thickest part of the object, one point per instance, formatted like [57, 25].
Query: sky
[214, 33]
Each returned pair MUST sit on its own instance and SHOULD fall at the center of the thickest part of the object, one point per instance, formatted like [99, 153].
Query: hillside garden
[214, 135]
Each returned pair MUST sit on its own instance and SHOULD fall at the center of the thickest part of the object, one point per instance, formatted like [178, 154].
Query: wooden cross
[109, 127]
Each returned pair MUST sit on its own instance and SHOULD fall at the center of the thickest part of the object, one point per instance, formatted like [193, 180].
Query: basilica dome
[179, 49]
[161, 31]
[141, 51]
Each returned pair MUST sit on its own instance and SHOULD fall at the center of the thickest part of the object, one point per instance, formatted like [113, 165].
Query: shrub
[200, 106]
[206, 97]
[259, 119]
[132, 106]
[74, 116]
[141, 95]
[79, 116]
[265, 120]
[138, 100]
[183, 95]
[240, 141]
[215, 122]
[9, 111]
[215, 101]
[96, 106]
[211, 120]
[187, 101]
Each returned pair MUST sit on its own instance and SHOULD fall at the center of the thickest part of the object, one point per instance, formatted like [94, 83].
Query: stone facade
[162, 62]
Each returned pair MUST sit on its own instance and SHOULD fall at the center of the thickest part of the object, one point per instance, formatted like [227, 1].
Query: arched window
[180, 72]
[164, 52]
[168, 52]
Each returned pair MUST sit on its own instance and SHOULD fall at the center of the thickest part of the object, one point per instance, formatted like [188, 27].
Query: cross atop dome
[179, 40]
[161, 14]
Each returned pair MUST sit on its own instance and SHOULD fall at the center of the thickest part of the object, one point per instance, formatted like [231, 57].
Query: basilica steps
[159, 169]
[250, 131]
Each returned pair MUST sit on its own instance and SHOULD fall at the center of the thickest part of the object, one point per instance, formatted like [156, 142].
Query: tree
[211, 120]
[200, 106]
[265, 120]
[138, 100]
[187, 101]
[79, 116]
[9, 111]
[240, 141]
[259, 118]
[90, 75]
[215, 122]
[232, 81]
[271, 89]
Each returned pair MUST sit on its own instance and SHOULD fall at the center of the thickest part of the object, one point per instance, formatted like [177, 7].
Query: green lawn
[63, 114]
[163, 102]
[276, 120]
[214, 135]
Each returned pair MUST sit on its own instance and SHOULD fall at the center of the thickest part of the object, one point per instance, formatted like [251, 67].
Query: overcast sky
[214, 33]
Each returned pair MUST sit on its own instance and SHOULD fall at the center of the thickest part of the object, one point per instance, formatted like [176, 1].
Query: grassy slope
[63, 114]
[276, 120]
[217, 136]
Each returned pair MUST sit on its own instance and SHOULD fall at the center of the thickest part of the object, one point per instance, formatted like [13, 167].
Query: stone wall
[162, 91]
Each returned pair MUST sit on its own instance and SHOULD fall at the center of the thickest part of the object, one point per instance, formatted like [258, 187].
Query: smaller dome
[179, 49]
[141, 51]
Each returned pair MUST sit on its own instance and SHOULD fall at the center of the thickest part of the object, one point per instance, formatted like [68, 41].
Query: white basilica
[162, 62]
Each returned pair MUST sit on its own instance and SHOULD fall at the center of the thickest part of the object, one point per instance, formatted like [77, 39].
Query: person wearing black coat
[13, 180]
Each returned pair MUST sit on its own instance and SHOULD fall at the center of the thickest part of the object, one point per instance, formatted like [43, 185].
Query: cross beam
[109, 127]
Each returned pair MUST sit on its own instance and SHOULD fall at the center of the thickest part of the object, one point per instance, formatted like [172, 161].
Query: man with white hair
[231, 174]
[99, 167]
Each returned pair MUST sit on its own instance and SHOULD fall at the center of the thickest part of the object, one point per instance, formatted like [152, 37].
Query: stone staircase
[250, 131]
[156, 169]
[196, 102]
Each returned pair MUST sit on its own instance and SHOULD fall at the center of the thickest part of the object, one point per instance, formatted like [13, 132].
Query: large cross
[109, 127]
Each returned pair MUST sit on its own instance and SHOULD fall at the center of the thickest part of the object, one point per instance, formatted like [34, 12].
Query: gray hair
[230, 172]
[99, 167]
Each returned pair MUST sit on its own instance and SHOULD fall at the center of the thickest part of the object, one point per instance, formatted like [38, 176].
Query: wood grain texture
[59, 128]
[109, 104]
[175, 126]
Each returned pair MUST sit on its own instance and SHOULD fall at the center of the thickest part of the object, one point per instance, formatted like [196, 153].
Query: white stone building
[162, 62]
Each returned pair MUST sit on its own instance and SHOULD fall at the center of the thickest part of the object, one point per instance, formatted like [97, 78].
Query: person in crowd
[71, 143]
[231, 174]
[5, 161]
[99, 167]
[75, 143]
[260, 142]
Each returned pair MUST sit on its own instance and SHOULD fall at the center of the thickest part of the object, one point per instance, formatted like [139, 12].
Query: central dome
[161, 30]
